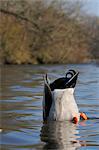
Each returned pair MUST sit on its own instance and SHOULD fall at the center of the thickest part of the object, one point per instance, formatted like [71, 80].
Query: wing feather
[47, 99]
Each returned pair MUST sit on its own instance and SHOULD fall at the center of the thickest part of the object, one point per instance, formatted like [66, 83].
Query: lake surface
[21, 109]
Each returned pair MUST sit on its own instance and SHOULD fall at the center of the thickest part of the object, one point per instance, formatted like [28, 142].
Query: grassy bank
[34, 32]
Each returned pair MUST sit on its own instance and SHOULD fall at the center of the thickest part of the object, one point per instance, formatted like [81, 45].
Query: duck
[59, 103]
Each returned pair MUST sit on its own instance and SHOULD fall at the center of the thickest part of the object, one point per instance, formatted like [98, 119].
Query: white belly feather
[63, 106]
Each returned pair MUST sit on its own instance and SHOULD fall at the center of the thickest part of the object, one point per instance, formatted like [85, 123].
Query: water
[21, 110]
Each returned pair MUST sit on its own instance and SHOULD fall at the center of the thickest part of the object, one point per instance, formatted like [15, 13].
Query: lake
[21, 124]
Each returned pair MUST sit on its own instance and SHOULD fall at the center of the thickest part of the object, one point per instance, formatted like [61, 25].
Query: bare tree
[43, 31]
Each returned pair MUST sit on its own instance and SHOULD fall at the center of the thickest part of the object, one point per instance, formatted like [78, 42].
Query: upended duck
[58, 102]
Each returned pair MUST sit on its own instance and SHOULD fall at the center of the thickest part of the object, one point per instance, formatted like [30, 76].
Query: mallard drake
[58, 102]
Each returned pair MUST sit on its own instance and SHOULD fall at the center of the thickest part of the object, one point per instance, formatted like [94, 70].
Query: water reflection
[21, 109]
[60, 135]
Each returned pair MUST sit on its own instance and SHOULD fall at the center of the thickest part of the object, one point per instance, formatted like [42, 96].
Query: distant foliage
[36, 31]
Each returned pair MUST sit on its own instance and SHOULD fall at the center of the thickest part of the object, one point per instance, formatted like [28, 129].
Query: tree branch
[18, 16]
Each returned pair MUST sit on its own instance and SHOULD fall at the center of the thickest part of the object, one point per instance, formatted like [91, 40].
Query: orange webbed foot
[83, 116]
[75, 120]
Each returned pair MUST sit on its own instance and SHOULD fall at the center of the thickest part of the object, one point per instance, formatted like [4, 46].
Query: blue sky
[89, 6]
[92, 6]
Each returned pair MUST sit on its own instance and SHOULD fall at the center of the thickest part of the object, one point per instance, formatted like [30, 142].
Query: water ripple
[21, 111]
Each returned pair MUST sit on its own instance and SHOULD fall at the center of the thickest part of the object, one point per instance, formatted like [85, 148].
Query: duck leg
[83, 116]
[75, 120]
